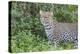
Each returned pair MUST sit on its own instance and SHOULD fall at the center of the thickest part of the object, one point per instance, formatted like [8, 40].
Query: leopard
[58, 31]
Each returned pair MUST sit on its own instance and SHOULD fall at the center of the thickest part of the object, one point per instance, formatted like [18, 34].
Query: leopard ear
[40, 12]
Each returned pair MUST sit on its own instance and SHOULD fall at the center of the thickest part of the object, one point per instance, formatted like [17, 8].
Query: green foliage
[67, 45]
[26, 41]
[45, 7]
[66, 13]
[27, 32]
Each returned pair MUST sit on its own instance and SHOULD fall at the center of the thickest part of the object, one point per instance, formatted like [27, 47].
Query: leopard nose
[46, 16]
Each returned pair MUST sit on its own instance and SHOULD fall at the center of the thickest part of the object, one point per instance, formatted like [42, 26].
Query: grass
[25, 41]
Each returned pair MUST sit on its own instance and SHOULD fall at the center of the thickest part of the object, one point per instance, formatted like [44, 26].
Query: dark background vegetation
[27, 33]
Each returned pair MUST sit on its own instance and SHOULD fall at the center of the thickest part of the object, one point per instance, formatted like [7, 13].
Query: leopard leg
[49, 41]
[56, 43]
[75, 44]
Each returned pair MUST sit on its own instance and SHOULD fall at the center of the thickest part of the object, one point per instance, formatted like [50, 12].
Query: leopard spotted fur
[57, 32]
